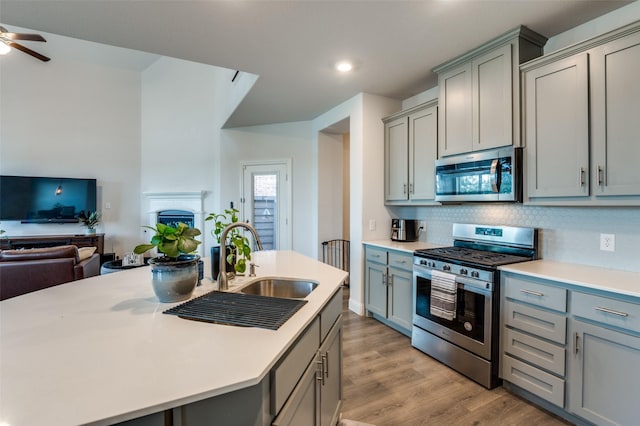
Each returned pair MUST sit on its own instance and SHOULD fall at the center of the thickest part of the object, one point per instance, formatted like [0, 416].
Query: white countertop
[406, 246]
[100, 350]
[613, 280]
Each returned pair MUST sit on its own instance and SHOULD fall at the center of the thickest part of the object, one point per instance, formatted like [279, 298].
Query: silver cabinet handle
[581, 176]
[611, 311]
[402, 262]
[411, 190]
[600, 176]
[577, 340]
[389, 279]
[531, 292]
[325, 358]
[404, 188]
[385, 279]
[321, 371]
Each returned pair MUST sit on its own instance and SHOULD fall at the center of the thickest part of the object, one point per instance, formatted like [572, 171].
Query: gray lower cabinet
[316, 395]
[604, 360]
[317, 398]
[533, 336]
[573, 350]
[389, 287]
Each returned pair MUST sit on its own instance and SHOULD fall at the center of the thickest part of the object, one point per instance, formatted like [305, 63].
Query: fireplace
[171, 207]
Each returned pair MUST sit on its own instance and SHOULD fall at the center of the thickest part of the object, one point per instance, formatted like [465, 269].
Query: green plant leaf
[169, 248]
[142, 248]
[191, 232]
[187, 245]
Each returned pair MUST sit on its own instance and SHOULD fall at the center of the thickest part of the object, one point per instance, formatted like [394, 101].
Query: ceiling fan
[8, 38]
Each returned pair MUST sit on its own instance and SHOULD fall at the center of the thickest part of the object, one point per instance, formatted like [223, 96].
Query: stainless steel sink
[280, 287]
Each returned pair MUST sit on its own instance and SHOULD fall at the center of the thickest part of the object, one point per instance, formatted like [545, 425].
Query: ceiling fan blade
[28, 51]
[21, 36]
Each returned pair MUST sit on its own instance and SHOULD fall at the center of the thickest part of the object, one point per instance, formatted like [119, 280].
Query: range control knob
[463, 271]
[475, 274]
[433, 264]
[424, 262]
[446, 268]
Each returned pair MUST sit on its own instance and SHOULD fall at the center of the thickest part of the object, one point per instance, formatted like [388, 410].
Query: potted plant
[238, 248]
[90, 220]
[175, 270]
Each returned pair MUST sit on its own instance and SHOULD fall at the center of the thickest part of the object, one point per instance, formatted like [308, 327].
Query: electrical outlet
[372, 225]
[422, 224]
[607, 242]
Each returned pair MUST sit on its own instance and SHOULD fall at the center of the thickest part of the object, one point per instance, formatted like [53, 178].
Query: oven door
[471, 328]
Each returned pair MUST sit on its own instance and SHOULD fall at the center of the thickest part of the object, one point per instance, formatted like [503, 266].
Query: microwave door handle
[495, 178]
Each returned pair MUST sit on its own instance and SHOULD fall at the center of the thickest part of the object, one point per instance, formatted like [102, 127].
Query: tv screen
[45, 199]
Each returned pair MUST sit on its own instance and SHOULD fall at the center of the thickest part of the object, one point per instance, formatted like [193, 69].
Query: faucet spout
[223, 283]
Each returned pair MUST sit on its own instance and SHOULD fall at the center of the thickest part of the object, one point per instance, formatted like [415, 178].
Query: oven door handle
[475, 286]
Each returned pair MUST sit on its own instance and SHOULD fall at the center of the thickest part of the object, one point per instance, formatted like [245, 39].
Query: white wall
[183, 107]
[75, 116]
[274, 142]
[605, 23]
[330, 188]
[366, 160]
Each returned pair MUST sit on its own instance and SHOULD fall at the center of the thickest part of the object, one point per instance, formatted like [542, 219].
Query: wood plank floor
[388, 382]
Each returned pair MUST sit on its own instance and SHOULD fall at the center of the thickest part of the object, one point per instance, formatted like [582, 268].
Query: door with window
[266, 202]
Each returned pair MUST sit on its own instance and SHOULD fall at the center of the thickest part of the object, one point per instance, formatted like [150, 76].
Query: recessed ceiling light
[344, 66]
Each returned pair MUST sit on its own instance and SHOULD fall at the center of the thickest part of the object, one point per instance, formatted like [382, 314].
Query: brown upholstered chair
[24, 271]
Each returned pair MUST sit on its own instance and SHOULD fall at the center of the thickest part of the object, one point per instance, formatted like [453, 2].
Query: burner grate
[239, 309]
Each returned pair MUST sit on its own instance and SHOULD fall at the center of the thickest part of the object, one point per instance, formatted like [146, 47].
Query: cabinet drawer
[545, 324]
[611, 312]
[400, 261]
[541, 353]
[375, 254]
[535, 293]
[285, 376]
[330, 314]
[536, 381]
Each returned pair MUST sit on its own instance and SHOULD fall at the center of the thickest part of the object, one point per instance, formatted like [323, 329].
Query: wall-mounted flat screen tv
[45, 199]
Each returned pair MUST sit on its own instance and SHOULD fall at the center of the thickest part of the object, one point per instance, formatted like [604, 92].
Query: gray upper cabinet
[410, 154]
[581, 123]
[557, 128]
[615, 110]
[480, 94]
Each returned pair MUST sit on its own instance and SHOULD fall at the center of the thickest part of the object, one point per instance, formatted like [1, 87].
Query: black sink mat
[241, 309]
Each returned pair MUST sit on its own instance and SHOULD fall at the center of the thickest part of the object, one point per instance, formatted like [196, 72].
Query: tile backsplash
[567, 234]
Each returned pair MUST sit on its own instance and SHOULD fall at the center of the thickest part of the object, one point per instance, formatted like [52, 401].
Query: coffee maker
[404, 230]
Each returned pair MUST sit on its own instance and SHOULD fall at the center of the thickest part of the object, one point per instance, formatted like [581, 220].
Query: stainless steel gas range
[456, 296]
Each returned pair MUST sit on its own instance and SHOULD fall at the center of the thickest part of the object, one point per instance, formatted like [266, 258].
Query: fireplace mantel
[190, 201]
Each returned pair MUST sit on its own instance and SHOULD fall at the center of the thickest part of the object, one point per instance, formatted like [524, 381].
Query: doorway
[334, 196]
[266, 201]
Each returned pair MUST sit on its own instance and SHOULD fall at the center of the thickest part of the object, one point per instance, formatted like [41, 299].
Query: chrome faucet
[223, 284]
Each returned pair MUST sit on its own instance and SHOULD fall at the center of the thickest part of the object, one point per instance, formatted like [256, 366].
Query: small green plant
[170, 241]
[241, 248]
[91, 220]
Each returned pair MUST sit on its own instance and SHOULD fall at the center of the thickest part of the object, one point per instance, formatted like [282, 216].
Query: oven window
[469, 319]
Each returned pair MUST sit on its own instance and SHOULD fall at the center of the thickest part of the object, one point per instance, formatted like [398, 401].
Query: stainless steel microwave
[492, 175]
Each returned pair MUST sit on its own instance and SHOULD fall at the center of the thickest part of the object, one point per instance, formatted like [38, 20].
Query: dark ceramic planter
[174, 280]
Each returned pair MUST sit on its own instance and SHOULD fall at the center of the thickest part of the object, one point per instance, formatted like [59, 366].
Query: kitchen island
[100, 350]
